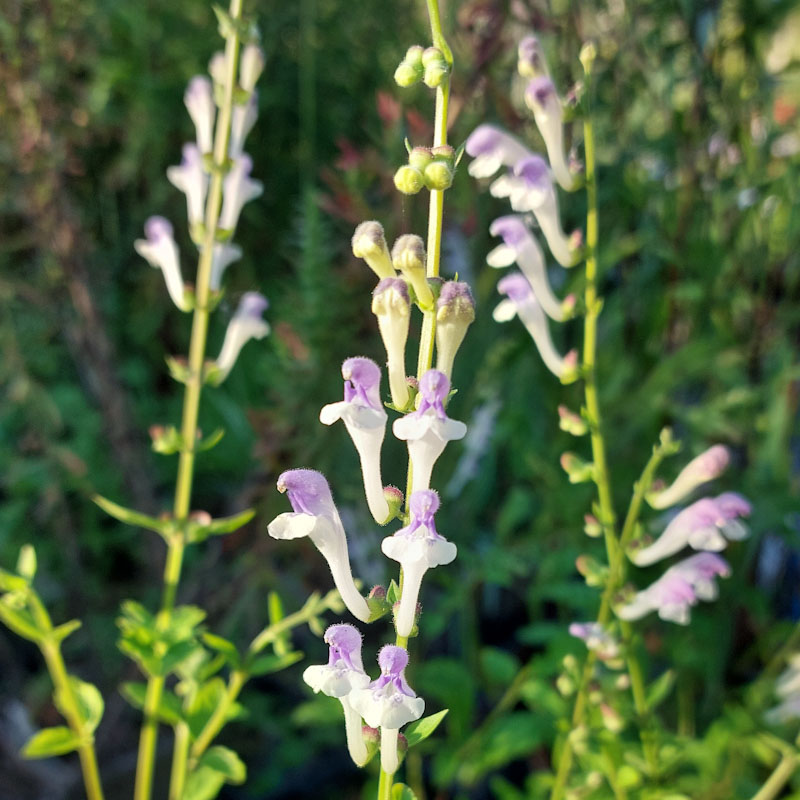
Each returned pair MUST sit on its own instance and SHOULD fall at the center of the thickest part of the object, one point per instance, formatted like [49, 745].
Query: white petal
[389, 758]
[484, 166]
[355, 738]
[501, 256]
[332, 412]
[291, 525]
[505, 310]
[707, 538]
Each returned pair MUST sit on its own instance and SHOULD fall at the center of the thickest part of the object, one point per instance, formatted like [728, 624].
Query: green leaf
[223, 646]
[161, 526]
[210, 441]
[12, 583]
[392, 593]
[51, 742]
[659, 689]
[62, 631]
[402, 792]
[169, 709]
[225, 762]
[19, 620]
[273, 663]
[89, 700]
[421, 729]
[26, 563]
[281, 644]
[203, 784]
[198, 532]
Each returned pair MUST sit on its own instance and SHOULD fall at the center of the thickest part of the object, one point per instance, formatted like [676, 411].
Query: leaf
[89, 700]
[169, 709]
[62, 631]
[392, 593]
[281, 644]
[203, 784]
[130, 517]
[402, 792]
[19, 621]
[223, 646]
[51, 742]
[225, 762]
[197, 532]
[11, 583]
[421, 729]
[210, 441]
[660, 688]
[273, 663]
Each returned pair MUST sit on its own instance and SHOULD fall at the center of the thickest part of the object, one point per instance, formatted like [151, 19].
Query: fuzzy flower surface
[418, 547]
[365, 419]
[161, 251]
[314, 514]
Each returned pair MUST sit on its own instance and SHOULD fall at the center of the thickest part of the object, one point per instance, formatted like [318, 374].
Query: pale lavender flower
[492, 148]
[542, 99]
[418, 547]
[192, 180]
[678, 589]
[314, 515]
[343, 674]
[216, 68]
[521, 302]
[365, 419]
[245, 324]
[520, 246]
[389, 703]
[455, 312]
[199, 101]
[391, 304]
[161, 250]
[251, 65]
[428, 429]
[242, 120]
[530, 188]
[531, 62]
[596, 638]
[706, 524]
[238, 188]
[223, 254]
[709, 465]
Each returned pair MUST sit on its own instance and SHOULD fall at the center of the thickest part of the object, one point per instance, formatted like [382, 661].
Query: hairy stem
[191, 406]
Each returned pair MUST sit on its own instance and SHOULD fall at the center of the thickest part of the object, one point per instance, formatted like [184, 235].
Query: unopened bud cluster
[427, 65]
[429, 168]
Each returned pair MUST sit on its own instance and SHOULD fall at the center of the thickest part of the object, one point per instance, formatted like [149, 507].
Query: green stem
[68, 703]
[180, 749]
[385, 786]
[191, 405]
[217, 720]
[778, 779]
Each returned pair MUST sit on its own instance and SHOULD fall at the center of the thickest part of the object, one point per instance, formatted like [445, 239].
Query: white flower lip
[243, 118]
[245, 324]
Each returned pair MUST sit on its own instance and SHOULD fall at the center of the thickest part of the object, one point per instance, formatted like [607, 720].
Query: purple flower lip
[484, 139]
[252, 304]
[392, 659]
[362, 377]
[191, 155]
[540, 90]
[307, 490]
[511, 229]
[516, 286]
[424, 503]
[156, 228]
[398, 284]
[344, 640]
[534, 171]
[434, 386]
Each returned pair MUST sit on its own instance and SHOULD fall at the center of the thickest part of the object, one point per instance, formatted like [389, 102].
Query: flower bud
[530, 59]
[369, 243]
[420, 157]
[394, 499]
[408, 179]
[436, 67]
[570, 422]
[595, 573]
[611, 719]
[592, 526]
[391, 304]
[408, 255]
[438, 176]
[578, 470]
[216, 68]
[407, 74]
[455, 312]
[414, 55]
[565, 685]
[251, 66]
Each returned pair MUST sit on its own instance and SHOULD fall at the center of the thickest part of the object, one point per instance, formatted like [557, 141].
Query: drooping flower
[492, 148]
[243, 117]
[192, 180]
[365, 419]
[418, 547]
[369, 243]
[245, 324]
[596, 638]
[389, 703]
[391, 304]
[161, 250]
[199, 101]
[678, 589]
[238, 188]
[223, 255]
[455, 312]
[314, 515]
[520, 246]
[428, 429]
[709, 465]
[707, 524]
[343, 674]
[522, 303]
[542, 99]
[530, 188]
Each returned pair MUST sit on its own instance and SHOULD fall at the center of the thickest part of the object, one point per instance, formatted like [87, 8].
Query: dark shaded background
[698, 129]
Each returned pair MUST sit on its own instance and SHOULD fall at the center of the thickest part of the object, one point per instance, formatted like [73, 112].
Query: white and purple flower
[389, 703]
[199, 101]
[709, 465]
[246, 324]
[455, 312]
[243, 118]
[428, 429]
[542, 99]
[223, 254]
[678, 589]
[418, 547]
[315, 515]
[191, 178]
[161, 251]
[596, 638]
[365, 419]
[492, 148]
[238, 188]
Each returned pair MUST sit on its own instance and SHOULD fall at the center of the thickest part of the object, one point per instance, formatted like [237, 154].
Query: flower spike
[314, 515]
[389, 703]
[542, 99]
[245, 324]
[520, 246]
[418, 547]
[521, 302]
[160, 250]
[365, 419]
[705, 467]
[428, 429]
[343, 674]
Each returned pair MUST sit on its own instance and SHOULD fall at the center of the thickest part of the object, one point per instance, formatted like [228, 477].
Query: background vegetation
[699, 128]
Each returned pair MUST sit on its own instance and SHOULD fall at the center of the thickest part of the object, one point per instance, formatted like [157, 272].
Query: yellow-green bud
[369, 243]
[438, 176]
[408, 179]
[436, 67]
[408, 255]
[414, 55]
[420, 157]
[407, 74]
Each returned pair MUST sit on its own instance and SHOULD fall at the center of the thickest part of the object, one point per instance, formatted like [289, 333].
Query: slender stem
[177, 779]
[191, 405]
[385, 786]
[778, 779]
[611, 775]
[217, 720]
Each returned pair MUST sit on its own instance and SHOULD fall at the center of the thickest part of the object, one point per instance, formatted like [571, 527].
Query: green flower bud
[408, 255]
[414, 56]
[369, 243]
[570, 422]
[438, 176]
[578, 470]
[408, 179]
[407, 74]
[444, 152]
[436, 67]
[420, 157]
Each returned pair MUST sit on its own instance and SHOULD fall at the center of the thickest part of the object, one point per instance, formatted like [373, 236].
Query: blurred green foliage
[696, 106]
